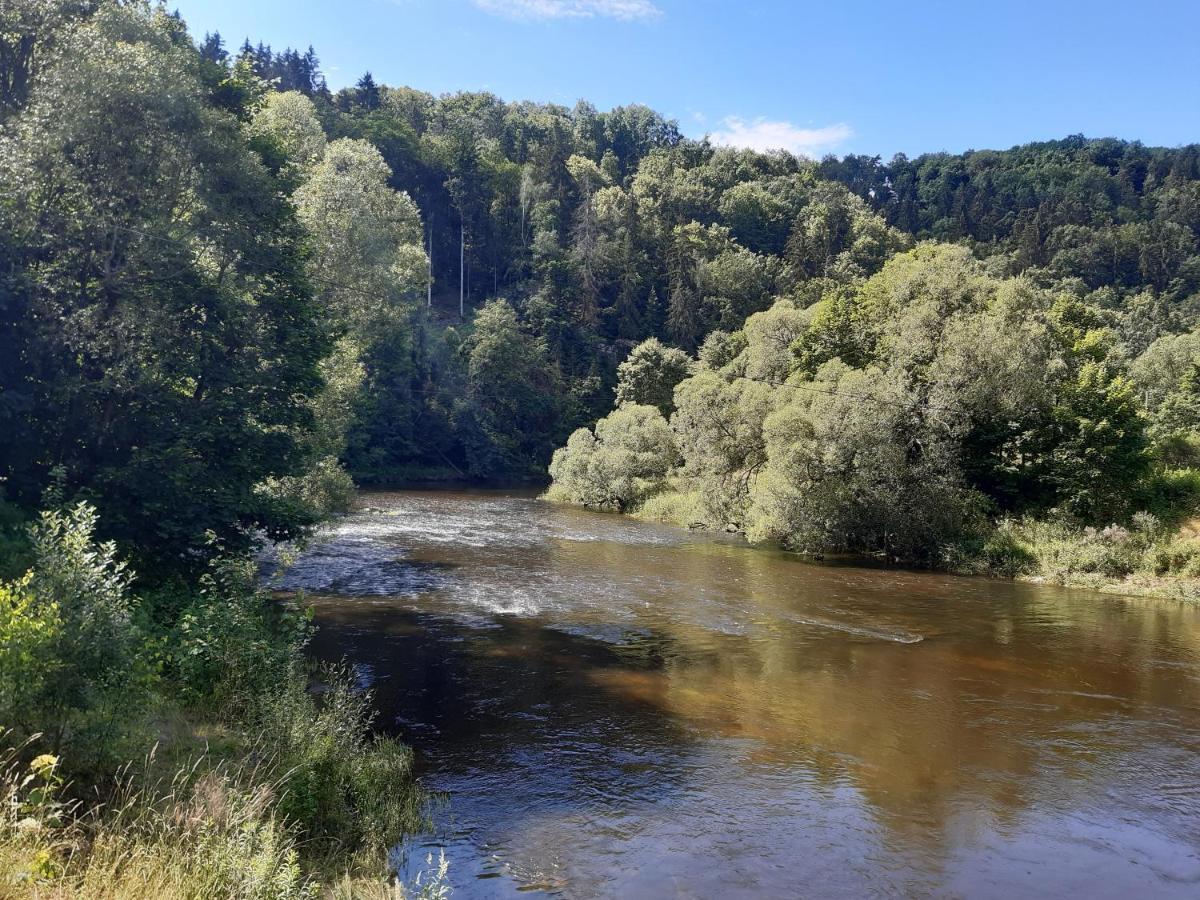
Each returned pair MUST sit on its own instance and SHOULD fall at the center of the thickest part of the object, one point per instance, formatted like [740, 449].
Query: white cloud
[763, 135]
[624, 10]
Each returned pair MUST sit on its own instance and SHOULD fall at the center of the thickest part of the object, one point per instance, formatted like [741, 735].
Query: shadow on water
[619, 709]
[511, 721]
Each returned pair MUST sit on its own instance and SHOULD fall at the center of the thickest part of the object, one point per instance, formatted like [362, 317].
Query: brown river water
[620, 709]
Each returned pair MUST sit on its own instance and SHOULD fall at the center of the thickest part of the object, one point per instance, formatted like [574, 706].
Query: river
[620, 709]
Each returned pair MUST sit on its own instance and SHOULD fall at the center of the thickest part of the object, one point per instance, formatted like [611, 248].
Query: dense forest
[568, 236]
[228, 293]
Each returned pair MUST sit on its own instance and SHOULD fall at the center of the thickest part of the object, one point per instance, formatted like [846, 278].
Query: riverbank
[1146, 559]
[175, 741]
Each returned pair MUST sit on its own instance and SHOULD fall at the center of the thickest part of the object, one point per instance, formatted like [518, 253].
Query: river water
[619, 709]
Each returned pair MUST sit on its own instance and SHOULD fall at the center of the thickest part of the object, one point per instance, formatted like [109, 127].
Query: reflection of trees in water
[1018, 698]
[512, 701]
[1033, 694]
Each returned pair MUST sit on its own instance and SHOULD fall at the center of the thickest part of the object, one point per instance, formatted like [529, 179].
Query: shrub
[649, 374]
[72, 658]
[232, 642]
[325, 489]
[345, 789]
[999, 552]
[1178, 557]
[627, 457]
[1059, 551]
[680, 507]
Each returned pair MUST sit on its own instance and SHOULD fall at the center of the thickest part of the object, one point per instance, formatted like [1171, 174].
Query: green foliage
[209, 829]
[849, 475]
[29, 634]
[718, 425]
[625, 459]
[155, 313]
[343, 788]
[513, 394]
[232, 643]
[288, 122]
[1111, 215]
[15, 556]
[74, 668]
[649, 374]
[900, 411]
[1063, 553]
[75, 665]
[682, 508]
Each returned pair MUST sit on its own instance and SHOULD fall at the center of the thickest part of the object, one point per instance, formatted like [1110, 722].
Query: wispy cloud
[623, 10]
[763, 134]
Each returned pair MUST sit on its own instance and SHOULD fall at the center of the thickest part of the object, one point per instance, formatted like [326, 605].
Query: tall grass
[307, 807]
[1143, 551]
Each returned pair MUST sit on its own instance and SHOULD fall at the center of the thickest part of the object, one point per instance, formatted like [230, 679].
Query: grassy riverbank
[1149, 557]
[173, 741]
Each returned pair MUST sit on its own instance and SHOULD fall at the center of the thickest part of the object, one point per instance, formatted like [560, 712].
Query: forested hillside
[227, 294]
[565, 236]
[604, 228]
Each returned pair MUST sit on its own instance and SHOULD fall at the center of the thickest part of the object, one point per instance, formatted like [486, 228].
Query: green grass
[1145, 558]
[297, 801]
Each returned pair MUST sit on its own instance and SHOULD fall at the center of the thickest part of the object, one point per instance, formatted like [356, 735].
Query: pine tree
[366, 92]
[213, 48]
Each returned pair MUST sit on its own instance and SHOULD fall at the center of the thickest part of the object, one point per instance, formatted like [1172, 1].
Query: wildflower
[43, 766]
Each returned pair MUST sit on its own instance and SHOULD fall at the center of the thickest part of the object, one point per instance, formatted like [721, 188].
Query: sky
[840, 76]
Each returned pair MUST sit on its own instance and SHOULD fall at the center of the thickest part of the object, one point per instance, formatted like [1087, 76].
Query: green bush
[1178, 557]
[346, 789]
[1062, 552]
[1172, 494]
[626, 458]
[74, 663]
[999, 552]
[232, 641]
[324, 490]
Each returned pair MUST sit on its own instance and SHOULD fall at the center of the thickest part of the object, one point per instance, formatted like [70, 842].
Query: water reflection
[619, 709]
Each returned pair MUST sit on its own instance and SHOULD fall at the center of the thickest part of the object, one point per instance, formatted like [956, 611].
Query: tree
[650, 373]
[366, 92]
[513, 395]
[288, 121]
[620, 463]
[718, 424]
[366, 238]
[154, 297]
[853, 475]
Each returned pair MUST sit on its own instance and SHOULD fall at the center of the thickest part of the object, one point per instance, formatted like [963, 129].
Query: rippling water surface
[617, 709]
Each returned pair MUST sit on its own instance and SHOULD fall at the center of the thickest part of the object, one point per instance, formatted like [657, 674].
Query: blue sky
[852, 76]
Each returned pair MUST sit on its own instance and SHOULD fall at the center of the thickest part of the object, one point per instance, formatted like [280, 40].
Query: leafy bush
[325, 489]
[73, 661]
[233, 642]
[1172, 494]
[344, 788]
[649, 374]
[310, 785]
[1062, 552]
[998, 553]
[626, 458]
[1179, 557]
